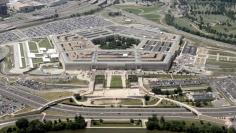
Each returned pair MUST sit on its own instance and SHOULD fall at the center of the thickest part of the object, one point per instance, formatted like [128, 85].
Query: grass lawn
[116, 82]
[22, 50]
[148, 12]
[131, 102]
[45, 43]
[23, 62]
[69, 102]
[166, 104]
[99, 79]
[153, 17]
[37, 60]
[24, 110]
[215, 52]
[212, 57]
[54, 95]
[36, 39]
[152, 101]
[133, 10]
[73, 81]
[221, 64]
[183, 22]
[33, 47]
[136, 9]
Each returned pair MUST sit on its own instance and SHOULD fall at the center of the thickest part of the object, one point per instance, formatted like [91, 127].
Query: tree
[48, 125]
[147, 98]
[80, 122]
[36, 126]
[77, 96]
[101, 120]
[157, 90]
[198, 103]
[150, 125]
[131, 120]
[209, 89]
[9, 130]
[231, 130]
[162, 120]
[169, 19]
[22, 123]
[179, 90]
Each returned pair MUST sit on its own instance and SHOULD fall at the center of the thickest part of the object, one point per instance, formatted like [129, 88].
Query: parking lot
[167, 83]
[66, 25]
[31, 84]
[8, 37]
[227, 86]
[9, 106]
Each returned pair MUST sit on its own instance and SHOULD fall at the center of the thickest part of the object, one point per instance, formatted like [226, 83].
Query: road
[90, 112]
[171, 29]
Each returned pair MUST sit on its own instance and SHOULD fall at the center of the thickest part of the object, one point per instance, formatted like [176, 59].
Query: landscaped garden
[115, 42]
[116, 82]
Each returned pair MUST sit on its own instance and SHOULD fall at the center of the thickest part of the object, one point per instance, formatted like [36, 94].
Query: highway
[171, 29]
[92, 112]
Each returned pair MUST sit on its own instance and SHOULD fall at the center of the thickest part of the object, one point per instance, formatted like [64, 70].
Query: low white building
[200, 96]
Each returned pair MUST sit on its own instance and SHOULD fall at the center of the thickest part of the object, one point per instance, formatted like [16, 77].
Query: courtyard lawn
[45, 43]
[33, 47]
[116, 82]
[37, 60]
[22, 50]
[23, 62]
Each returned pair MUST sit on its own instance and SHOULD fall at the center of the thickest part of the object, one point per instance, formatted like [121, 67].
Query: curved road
[91, 112]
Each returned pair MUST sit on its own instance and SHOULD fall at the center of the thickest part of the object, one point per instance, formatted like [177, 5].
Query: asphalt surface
[91, 112]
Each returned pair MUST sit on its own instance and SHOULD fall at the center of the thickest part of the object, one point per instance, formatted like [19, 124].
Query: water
[111, 130]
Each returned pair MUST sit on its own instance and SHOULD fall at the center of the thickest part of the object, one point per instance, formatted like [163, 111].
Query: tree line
[218, 36]
[23, 125]
[154, 123]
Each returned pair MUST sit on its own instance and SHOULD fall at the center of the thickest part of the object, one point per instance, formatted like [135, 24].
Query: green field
[133, 10]
[152, 101]
[131, 102]
[23, 62]
[45, 43]
[22, 50]
[184, 22]
[33, 47]
[148, 12]
[116, 82]
[100, 79]
[211, 19]
[37, 60]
